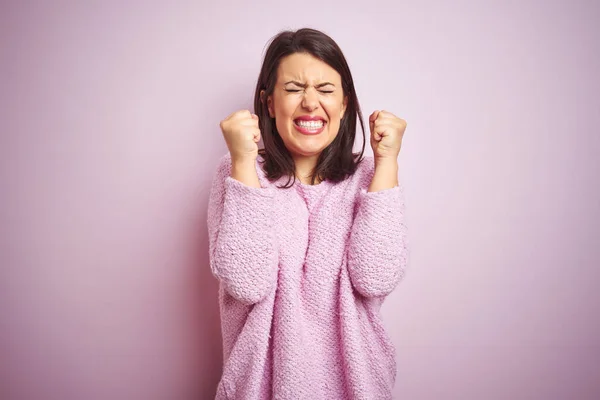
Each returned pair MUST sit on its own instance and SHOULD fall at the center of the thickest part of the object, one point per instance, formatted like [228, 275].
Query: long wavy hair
[337, 161]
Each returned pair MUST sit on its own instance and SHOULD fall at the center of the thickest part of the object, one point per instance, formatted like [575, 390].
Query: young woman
[306, 237]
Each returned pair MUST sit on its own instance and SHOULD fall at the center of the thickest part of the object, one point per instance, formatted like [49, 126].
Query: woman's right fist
[242, 134]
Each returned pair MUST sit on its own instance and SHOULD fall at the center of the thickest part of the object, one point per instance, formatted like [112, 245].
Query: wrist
[245, 161]
[244, 171]
[386, 163]
[385, 175]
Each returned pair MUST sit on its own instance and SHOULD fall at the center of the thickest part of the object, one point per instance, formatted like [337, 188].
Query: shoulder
[224, 162]
[223, 169]
[366, 165]
[364, 172]
[360, 179]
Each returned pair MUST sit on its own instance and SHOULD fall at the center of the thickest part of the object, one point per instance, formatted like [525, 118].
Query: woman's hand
[387, 131]
[242, 134]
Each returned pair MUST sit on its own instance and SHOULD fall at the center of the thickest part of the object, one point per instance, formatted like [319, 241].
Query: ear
[344, 105]
[269, 103]
[270, 106]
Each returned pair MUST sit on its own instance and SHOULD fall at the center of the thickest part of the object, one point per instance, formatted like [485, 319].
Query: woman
[306, 238]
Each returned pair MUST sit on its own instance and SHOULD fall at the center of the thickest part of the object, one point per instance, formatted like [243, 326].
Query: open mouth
[309, 127]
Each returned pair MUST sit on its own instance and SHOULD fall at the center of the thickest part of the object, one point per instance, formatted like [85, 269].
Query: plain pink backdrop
[109, 117]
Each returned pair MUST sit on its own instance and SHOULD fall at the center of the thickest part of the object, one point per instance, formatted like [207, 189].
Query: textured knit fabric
[303, 273]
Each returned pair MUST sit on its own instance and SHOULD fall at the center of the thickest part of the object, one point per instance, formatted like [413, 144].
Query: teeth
[310, 124]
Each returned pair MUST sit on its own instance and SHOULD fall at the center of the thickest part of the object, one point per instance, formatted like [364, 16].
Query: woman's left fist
[387, 131]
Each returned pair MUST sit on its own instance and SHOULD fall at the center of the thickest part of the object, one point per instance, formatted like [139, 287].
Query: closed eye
[298, 90]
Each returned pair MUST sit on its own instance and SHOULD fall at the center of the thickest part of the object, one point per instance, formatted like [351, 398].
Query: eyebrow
[305, 85]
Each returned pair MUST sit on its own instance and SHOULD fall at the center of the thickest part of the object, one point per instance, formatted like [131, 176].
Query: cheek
[335, 114]
[285, 107]
[334, 108]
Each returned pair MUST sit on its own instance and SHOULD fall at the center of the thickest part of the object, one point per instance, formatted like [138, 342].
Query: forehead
[306, 68]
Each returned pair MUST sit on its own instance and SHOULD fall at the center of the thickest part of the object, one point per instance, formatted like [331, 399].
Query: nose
[311, 100]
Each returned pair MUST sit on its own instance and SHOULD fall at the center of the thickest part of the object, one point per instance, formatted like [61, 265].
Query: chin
[312, 153]
[307, 151]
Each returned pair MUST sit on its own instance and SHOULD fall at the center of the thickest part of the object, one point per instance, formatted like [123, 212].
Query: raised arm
[378, 250]
[242, 245]
[243, 253]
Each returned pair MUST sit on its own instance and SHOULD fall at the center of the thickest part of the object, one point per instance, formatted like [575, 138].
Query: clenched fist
[387, 131]
[242, 134]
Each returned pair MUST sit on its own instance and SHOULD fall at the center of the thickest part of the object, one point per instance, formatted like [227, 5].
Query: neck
[305, 167]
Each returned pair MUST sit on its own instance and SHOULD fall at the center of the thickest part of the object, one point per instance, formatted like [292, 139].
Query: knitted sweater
[303, 273]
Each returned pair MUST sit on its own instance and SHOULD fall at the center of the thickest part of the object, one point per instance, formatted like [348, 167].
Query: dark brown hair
[337, 161]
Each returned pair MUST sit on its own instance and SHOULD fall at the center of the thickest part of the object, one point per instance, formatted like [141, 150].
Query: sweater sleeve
[378, 250]
[242, 247]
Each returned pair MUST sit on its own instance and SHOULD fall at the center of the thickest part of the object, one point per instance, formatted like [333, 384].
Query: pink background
[109, 141]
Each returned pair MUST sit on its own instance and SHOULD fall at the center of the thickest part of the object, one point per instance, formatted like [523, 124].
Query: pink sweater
[303, 273]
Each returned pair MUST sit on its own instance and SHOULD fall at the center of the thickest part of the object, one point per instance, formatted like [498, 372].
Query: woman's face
[307, 103]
